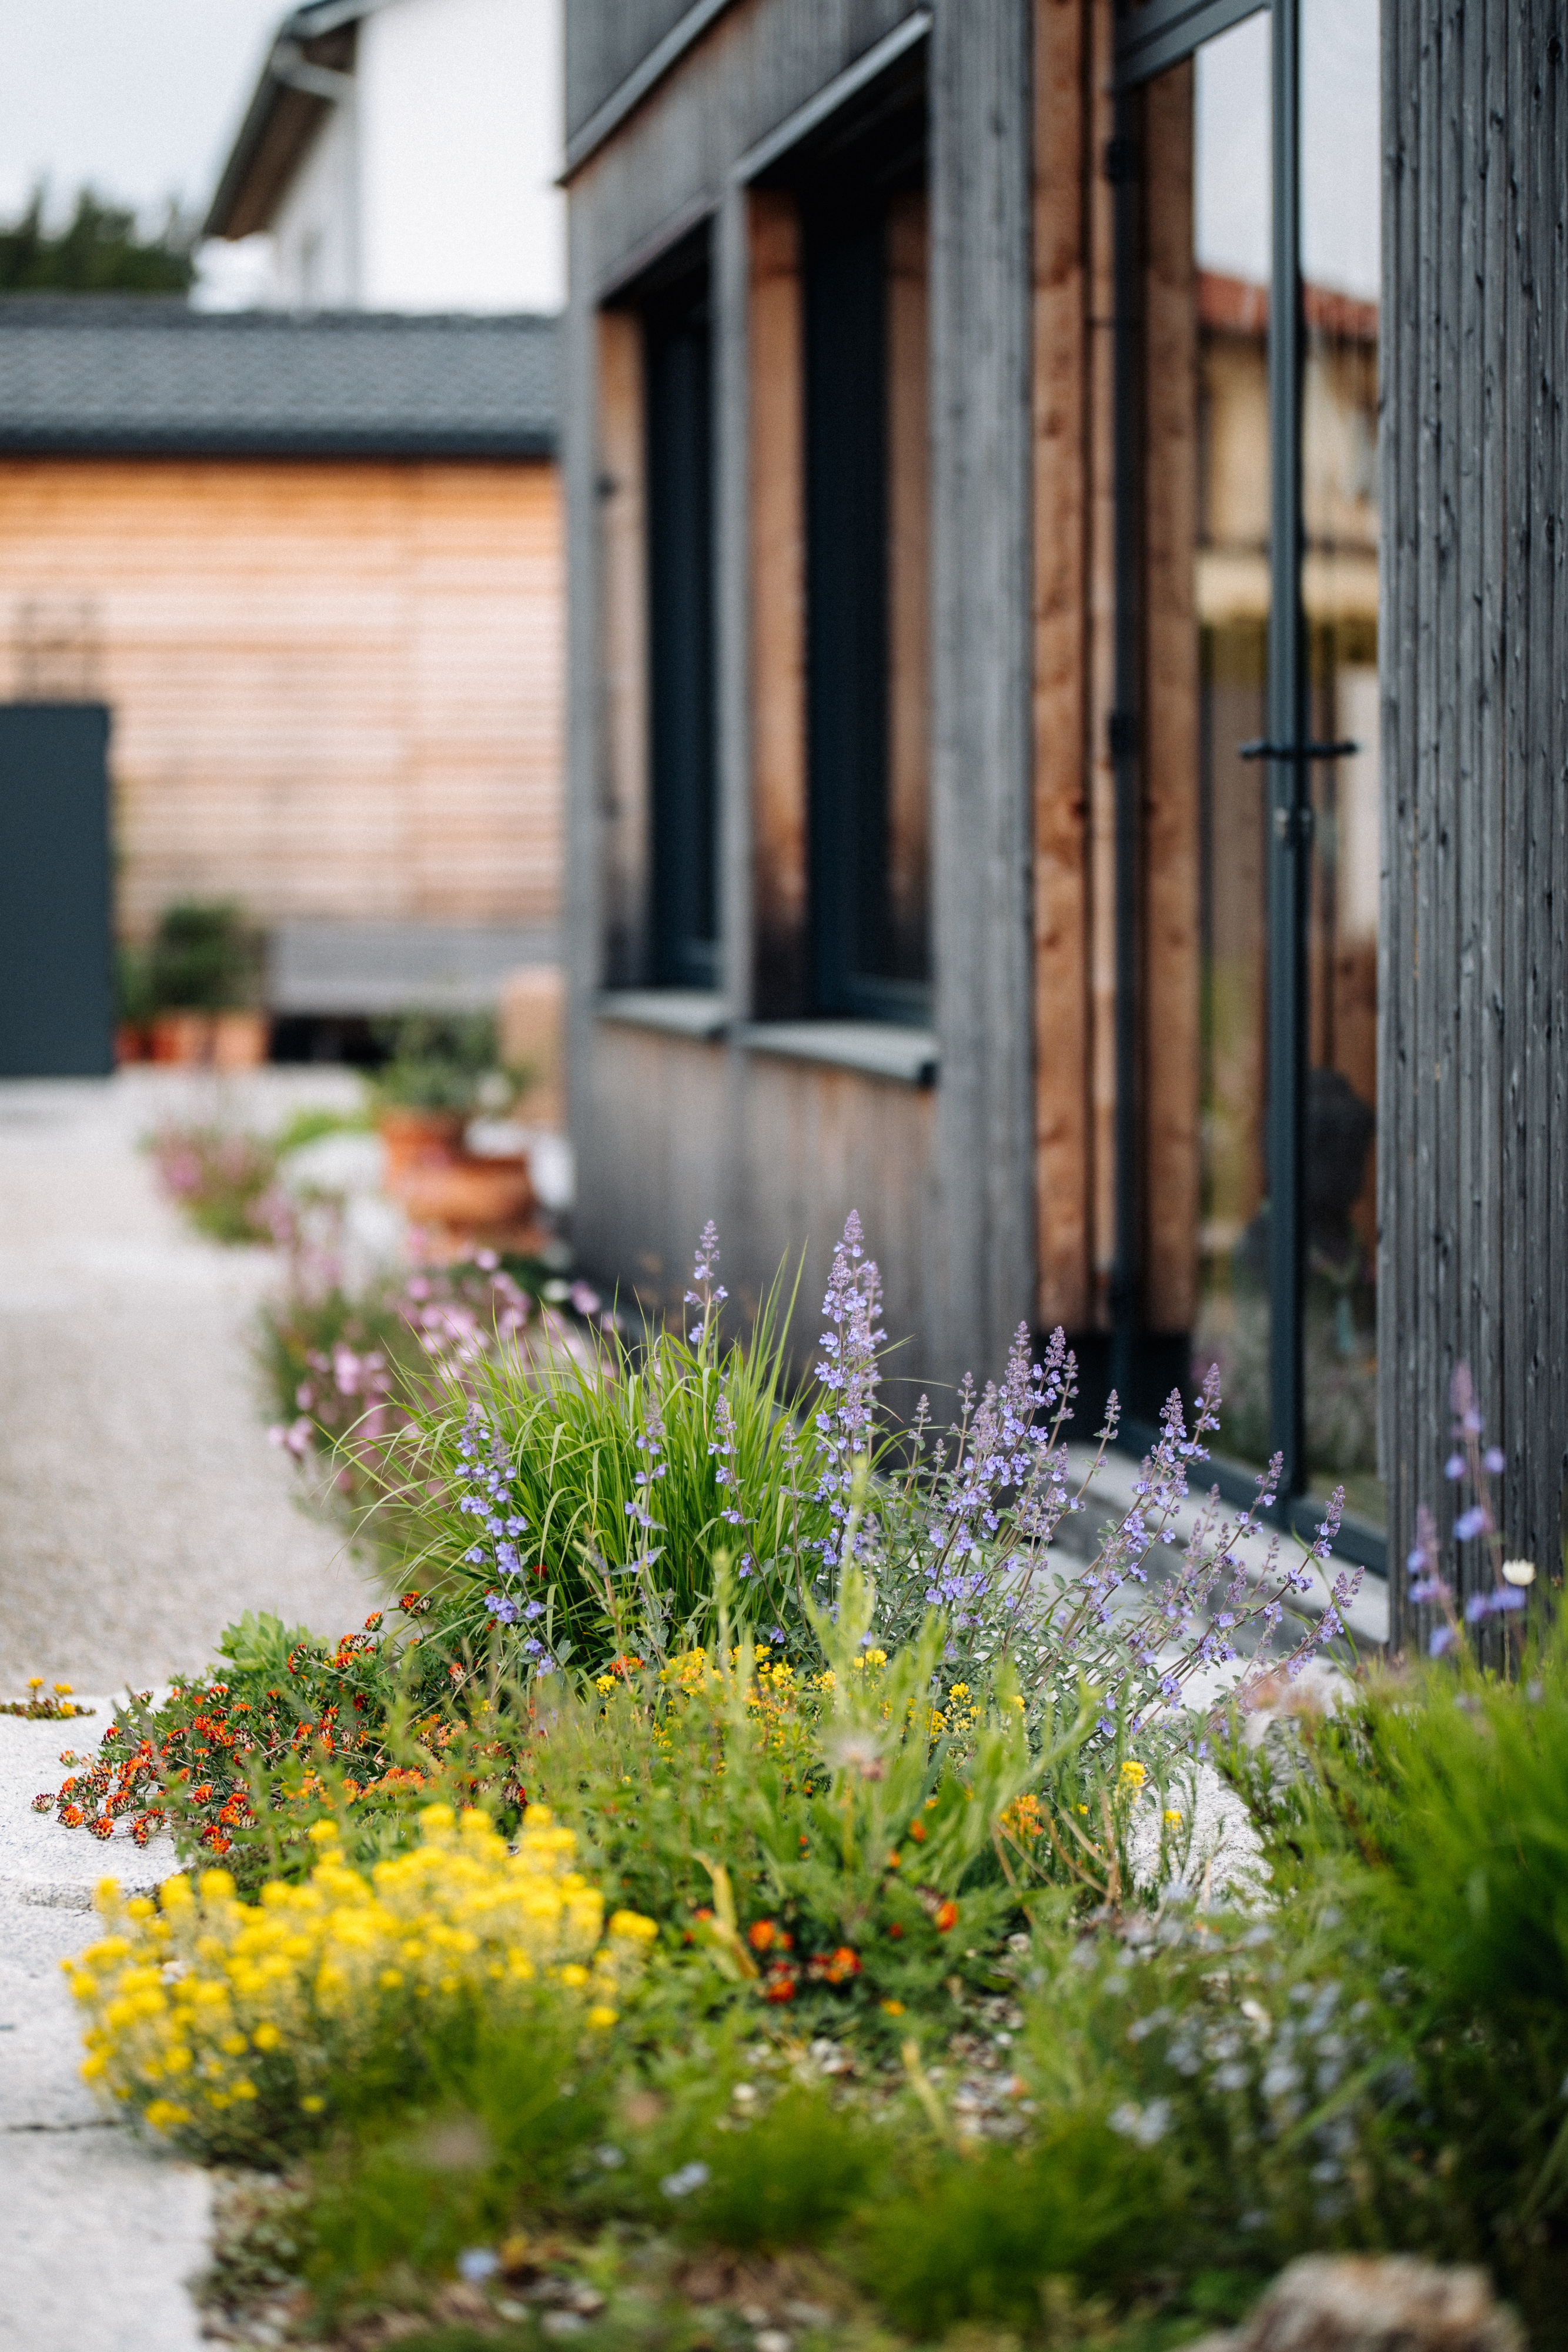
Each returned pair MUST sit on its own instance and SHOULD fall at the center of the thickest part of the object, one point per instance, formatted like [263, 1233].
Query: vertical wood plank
[1170, 726]
[624, 639]
[1061, 651]
[983, 1224]
[909, 571]
[777, 605]
[1101, 622]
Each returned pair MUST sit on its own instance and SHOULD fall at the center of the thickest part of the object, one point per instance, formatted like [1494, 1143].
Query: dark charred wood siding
[1473, 1153]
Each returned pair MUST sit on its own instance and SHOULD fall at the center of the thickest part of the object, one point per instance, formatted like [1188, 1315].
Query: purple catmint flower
[502, 1608]
[1474, 1522]
[1440, 1641]
[705, 1294]
[1454, 1468]
[1495, 1460]
[848, 1371]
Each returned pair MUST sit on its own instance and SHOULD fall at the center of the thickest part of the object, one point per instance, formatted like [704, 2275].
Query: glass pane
[1232, 233]
[1339, 267]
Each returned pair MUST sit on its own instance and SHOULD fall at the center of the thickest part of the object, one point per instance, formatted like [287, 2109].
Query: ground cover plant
[228, 1181]
[223, 1180]
[56, 1705]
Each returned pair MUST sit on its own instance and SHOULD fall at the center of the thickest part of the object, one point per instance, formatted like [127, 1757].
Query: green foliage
[133, 998]
[261, 1644]
[440, 1062]
[988, 2238]
[312, 1121]
[204, 958]
[97, 252]
[789, 2179]
[629, 1467]
[504, 2139]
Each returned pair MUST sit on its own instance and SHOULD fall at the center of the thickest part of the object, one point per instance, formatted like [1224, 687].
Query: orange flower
[918, 1832]
[762, 1935]
[836, 1967]
[896, 1931]
[946, 1916]
[781, 1984]
[72, 1817]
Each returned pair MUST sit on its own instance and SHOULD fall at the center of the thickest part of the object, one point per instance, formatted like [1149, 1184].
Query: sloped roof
[312, 48]
[133, 375]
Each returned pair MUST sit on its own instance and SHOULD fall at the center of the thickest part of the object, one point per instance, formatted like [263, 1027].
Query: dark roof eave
[509, 447]
[279, 123]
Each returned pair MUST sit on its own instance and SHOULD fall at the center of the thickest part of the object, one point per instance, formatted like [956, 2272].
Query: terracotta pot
[471, 1193]
[182, 1036]
[240, 1040]
[417, 1140]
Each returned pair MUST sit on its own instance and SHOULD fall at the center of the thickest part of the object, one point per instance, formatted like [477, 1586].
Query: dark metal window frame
[1149, 40]
[841, 156]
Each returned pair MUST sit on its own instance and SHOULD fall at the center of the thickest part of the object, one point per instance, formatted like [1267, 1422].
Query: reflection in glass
[1340, 261]
[1231, 597]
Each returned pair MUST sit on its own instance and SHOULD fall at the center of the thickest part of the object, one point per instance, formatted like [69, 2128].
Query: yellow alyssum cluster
[210, 2014]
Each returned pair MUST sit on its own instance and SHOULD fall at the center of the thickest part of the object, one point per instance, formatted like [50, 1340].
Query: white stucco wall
[459, 109]
[315, 263]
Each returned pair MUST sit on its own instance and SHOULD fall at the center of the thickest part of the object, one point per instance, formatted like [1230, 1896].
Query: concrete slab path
[140, 1509]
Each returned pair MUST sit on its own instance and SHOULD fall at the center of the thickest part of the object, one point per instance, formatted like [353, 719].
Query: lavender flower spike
[708, 1293]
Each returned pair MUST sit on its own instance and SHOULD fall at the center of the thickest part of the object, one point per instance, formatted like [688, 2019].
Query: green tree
[97, 252]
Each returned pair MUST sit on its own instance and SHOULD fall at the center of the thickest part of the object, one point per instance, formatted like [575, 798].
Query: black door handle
[1299, 753]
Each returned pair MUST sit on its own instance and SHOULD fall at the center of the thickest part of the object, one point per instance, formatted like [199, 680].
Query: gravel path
[140, 1509]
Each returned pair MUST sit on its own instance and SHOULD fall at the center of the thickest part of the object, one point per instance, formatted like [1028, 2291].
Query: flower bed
[921, 2002]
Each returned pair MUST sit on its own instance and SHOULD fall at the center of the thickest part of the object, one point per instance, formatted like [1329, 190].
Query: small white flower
[477, 2264]
[1519, 1572]
[682, 2183]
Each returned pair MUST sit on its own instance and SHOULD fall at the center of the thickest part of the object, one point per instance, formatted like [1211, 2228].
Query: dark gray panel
[57, 1011]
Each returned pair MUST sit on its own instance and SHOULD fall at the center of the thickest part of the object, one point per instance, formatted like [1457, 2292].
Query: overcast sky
[139, 97]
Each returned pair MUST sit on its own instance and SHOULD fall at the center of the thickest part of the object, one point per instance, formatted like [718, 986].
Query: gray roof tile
[130, 375]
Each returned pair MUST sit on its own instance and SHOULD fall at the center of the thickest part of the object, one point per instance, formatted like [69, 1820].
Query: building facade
[401, 155]
[314, 568]
[985, 808]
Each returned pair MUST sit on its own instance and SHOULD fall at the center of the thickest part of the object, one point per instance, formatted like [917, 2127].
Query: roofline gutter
[346, 447]
[286, 68]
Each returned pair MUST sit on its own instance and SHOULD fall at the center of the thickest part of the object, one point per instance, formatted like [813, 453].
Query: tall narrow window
[677, 377]
[1252, 375]
[864, 255]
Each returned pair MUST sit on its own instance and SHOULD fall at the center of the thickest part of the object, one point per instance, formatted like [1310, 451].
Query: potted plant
[203, 981]
[444, 1070]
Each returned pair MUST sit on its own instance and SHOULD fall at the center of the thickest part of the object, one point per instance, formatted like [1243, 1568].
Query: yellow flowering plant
[236, 2029]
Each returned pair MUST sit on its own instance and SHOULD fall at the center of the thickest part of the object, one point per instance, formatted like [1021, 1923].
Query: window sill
[879, 1049]
[675, 1011]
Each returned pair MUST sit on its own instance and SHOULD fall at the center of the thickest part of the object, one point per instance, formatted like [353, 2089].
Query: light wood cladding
[623, 637]
[1061, 1156]
[909, 578]
[336, 687]
[1171, 711]
[778, 603]
[1101, 445]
